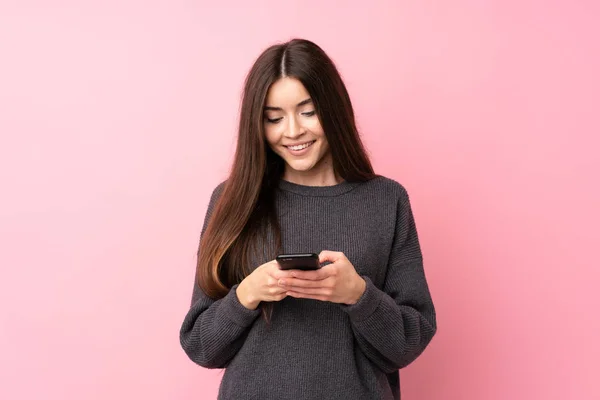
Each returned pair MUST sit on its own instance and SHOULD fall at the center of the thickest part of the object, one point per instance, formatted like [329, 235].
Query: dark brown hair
[244, 214]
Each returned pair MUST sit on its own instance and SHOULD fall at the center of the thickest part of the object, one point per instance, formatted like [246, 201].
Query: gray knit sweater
[320, 350]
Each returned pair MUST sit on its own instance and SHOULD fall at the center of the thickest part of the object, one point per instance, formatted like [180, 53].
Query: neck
[313, 178]
[321, 174]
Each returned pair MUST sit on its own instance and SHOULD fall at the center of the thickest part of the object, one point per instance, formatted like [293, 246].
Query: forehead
[286, 93]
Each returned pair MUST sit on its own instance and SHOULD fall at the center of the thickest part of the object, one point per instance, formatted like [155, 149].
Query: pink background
[119, 117]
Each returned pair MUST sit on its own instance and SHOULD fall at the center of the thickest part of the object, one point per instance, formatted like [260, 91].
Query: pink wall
[118, 119]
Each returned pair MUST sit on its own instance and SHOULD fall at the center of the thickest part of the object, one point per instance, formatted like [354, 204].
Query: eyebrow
[302, 103]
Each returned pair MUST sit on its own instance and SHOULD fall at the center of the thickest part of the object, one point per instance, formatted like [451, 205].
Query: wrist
[245, 297]
[360, 287]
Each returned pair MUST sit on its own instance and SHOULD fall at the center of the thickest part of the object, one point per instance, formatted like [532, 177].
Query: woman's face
[292, 128]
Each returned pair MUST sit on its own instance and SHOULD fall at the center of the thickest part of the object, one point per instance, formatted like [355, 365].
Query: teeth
[301, 147]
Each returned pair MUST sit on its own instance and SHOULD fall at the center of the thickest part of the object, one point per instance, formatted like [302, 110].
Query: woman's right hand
[261, 285]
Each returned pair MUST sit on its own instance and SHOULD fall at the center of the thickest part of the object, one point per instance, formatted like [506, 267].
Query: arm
[394, 325]
[214, 330]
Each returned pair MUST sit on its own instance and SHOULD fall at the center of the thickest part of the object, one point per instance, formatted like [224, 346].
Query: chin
[301, 166]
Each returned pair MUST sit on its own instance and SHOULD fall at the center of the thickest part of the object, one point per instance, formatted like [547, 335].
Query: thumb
[327, 255]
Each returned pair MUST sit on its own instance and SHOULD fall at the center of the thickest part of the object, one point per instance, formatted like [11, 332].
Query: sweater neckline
[319, 191]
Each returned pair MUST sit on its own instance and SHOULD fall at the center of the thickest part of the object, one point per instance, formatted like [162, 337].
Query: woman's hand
[261, 285]
[337, 282]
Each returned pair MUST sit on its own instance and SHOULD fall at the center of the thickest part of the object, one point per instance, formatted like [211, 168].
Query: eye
[309, 113]
[273, 120]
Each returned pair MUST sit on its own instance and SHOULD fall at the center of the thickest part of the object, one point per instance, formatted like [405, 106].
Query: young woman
[301, 182]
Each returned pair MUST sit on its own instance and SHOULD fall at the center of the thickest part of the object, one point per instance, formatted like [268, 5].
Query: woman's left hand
[337, 282]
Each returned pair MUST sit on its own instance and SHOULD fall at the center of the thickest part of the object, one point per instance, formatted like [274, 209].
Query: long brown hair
[244, 214]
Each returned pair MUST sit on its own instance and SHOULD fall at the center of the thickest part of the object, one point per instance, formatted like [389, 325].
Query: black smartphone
[302, 261]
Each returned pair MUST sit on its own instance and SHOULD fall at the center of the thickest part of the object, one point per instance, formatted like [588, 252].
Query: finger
[325, 292]
[281, 296]
[319, 274]
[271, 281]
[280, 274]
[276, 290]
[304, 283]
[295, 282]
[306, 296]
[278, 297]
[332, 256]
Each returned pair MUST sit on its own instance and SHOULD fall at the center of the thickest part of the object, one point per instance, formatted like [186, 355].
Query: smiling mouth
[302, 146]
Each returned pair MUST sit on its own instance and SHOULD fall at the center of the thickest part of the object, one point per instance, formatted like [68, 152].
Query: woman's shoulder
[216, 192]
[218, 188]
[388, 187]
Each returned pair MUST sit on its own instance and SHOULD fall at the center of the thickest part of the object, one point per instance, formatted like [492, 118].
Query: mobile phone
[302, 261]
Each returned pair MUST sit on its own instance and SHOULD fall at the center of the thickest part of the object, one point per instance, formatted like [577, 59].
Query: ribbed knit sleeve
[213, 331]
[394, 325]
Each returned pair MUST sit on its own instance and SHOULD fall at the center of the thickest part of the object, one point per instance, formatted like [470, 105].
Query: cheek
[315, 127]
[324, 147]
[271, 134]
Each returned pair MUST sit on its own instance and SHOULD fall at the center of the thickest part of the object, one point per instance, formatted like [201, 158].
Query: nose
[294, 128]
